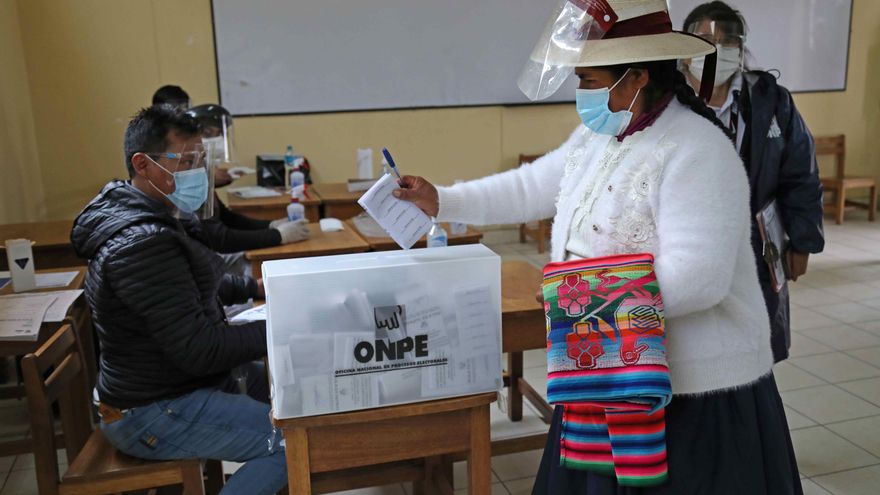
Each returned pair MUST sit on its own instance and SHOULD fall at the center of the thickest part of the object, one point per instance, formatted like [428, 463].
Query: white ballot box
[374, 329]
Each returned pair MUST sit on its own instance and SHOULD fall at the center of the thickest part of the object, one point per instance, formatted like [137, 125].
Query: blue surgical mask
[190, 188]
[592, 106]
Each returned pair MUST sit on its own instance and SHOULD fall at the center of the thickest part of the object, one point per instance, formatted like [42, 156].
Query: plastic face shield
[188, 160]
[573, 24]
[220, 142]
[724, 33]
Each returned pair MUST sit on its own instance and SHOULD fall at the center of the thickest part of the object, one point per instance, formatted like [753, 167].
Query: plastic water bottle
[437, 235]
[456, 228]
[295, 210]
[288, 163]
[297, 178]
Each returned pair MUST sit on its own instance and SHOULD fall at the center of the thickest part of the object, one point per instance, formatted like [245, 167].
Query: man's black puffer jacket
[155, 290]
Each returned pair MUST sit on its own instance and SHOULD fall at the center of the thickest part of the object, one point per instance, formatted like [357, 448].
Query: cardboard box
[375, 329]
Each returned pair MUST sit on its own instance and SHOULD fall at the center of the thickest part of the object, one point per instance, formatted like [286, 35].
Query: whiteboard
[304, 56]
[807, 41]
[297, 56]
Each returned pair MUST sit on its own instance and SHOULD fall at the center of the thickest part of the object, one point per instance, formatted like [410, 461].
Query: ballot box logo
[390, 322]
[22, 262]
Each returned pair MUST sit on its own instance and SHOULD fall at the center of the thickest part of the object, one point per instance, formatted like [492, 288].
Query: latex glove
[419, 192]
[294, 231]
[275, 223]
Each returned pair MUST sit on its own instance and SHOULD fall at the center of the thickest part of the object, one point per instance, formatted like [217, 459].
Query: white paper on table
[21, 316]
[250, 192]
[59, 279]
[239, 171]
[62, 299]
[254, 314]
[402, 220]
[365, 163]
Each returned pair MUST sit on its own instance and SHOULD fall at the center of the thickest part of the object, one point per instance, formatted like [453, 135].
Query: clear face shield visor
[720, 33]
[219, 141]
[188, 180]
[573, 24]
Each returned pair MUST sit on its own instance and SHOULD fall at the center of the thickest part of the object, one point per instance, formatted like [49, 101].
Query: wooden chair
[541, 232]
[839, 183]
[95, 467]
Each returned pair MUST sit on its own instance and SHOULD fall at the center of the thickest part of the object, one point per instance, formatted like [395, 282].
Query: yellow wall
[92, 63]
[21, 188]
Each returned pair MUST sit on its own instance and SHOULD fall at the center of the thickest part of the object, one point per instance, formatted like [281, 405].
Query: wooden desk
[371, 447]
[273, 208]
[320, 243]
[80, 316]
[522, 328]
[337, 202]
[386, 243]
[52, 248]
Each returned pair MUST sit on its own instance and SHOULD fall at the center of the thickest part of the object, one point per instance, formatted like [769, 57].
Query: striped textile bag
[606, 364]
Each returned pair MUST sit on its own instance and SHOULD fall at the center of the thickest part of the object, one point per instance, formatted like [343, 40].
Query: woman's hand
[539, 295]
[420, 192]
[261, 289]
[797, 264]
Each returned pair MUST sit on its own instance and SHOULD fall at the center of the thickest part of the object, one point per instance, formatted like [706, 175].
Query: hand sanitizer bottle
[437, 235]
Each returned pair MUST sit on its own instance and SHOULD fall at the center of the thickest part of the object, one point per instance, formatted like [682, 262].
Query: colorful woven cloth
[606, 364]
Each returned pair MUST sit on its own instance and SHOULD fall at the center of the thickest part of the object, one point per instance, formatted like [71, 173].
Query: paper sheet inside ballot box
[374, 329]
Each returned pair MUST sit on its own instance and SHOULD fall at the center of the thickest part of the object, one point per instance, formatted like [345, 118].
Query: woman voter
[651, 170]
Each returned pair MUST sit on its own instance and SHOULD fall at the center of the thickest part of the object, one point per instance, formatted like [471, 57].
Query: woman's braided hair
[665, 78]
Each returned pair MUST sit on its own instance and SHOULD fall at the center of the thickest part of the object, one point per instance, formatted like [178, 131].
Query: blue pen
[390, 162]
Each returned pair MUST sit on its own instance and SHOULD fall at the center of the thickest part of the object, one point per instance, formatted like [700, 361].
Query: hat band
[656, 23]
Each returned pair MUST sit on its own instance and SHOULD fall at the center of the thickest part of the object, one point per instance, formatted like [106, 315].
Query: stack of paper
[21, 317]
[22, 314]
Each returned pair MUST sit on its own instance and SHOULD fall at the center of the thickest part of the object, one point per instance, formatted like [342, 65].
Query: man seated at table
[165, 384]
[230, 232]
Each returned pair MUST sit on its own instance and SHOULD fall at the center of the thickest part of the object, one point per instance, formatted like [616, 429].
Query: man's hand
[797, 264]
[261, 290]
[294, 231]
[222, 177]
[420, 192]
[539, 295]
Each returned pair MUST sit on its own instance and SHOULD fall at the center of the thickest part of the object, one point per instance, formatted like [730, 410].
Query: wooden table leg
[514, 393]
[297, 452]
[480, 453]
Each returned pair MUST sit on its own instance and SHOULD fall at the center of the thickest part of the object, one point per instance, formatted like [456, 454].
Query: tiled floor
[830, 386]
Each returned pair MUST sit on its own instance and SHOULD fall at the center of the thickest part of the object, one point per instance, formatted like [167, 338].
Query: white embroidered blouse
[677, 190]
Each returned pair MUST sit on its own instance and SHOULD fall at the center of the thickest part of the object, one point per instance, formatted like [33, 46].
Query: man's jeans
[208, 424]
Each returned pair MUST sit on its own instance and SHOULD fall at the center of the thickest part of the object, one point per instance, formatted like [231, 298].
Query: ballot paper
[56, 279]
[253, 314]
[251, 192]
[402, 220]
[21, 316]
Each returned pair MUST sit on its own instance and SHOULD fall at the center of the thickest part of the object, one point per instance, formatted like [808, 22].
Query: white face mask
[729, 61]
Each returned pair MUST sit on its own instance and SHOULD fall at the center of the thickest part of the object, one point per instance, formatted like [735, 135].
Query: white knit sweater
[677, 190]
